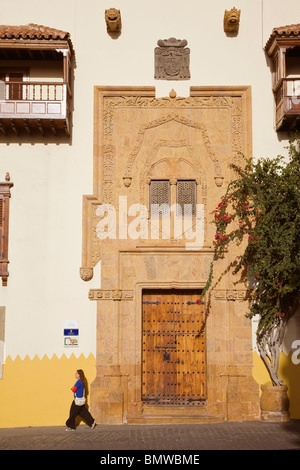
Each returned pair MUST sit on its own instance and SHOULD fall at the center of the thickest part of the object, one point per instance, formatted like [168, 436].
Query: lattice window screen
[160, 197]
[1, 227]
[186, 197]
[1, 212]
[4, 220]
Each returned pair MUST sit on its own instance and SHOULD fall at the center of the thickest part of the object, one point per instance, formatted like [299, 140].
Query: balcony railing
[287, 99]
[34, 101]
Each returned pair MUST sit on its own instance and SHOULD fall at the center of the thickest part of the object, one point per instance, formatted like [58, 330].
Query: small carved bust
[113, 20]
[232, 20]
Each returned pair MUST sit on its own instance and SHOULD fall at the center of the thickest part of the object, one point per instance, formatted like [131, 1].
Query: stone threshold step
[159, 410]
[173, 419]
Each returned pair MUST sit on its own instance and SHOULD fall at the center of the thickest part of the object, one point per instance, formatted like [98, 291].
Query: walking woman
[78, 407]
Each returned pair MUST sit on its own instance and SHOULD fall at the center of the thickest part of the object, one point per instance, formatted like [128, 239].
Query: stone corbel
[231, 20]
[86, 274]
[113, 20]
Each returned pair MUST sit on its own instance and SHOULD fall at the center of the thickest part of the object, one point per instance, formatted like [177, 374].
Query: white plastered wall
[44, 288]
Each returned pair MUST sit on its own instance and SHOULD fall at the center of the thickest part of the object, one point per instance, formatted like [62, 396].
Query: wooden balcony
[28, 105]
[287, 99]
[34, 106]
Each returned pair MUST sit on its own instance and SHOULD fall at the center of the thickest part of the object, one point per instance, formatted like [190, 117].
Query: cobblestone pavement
[181, 437]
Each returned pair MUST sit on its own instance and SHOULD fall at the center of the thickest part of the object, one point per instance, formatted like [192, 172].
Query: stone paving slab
[180, 437]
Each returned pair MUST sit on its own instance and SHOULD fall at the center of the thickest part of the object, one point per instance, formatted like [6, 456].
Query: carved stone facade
[140, 138]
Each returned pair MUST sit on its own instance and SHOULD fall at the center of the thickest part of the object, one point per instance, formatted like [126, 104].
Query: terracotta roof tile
[33, 31]
[288, 31]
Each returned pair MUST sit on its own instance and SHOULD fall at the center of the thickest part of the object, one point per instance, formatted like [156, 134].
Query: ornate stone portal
[145, 315]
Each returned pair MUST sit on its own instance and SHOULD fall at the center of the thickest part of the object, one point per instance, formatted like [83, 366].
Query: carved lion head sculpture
[231, 20]
[113, 20]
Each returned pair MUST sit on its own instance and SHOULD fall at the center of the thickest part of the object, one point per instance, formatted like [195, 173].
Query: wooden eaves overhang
[44, 106]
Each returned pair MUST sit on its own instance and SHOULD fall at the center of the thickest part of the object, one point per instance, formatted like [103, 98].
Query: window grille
[1, 212]
[160, 197]
[186, 197]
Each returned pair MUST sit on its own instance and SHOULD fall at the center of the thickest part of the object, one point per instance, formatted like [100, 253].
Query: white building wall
[44, 288]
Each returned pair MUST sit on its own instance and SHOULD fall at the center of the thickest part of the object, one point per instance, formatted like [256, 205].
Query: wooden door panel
[191, 348]
[158, 342]
[174, 366]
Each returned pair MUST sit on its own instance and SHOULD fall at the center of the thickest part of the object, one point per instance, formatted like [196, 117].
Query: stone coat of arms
[172, 60]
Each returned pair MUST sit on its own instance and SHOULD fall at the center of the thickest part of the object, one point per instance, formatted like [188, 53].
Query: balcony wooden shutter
[15, 88]
[160, 197]
[1, 226]
[1, 211]
[2, 86]
[186, 195]
[4, 221]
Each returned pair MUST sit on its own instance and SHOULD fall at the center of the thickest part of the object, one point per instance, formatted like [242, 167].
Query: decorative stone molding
[113, 20]
[235, 100]
[116, 294]
[232, 20]
[172, 60]
[230, 294]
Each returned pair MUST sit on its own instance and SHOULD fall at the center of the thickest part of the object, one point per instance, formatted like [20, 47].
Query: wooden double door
[173, 352]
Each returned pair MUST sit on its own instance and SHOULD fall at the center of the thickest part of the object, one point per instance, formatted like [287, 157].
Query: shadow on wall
[289, 367]
[290, 374]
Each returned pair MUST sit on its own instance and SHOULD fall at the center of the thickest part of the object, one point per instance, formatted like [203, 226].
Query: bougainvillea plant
[261, 211]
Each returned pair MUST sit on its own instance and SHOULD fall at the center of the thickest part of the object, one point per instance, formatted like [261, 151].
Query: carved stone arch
[189, 165]
[194, 161]
[152, 172]
[166, 119]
